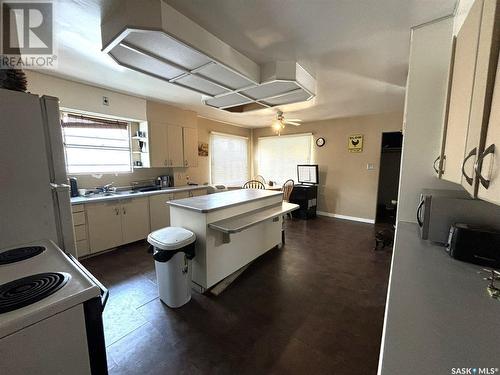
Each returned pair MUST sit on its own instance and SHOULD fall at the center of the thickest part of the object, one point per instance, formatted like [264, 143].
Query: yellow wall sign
[355, 143]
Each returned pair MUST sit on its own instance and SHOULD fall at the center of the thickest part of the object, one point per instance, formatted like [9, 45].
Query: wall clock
[320, 142]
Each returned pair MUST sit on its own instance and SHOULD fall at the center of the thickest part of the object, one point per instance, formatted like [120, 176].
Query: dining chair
[254, 184]
[287, 189]
[287, 192]
[260, 178]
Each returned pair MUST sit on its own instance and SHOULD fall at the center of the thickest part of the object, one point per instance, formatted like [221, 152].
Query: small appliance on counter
[475, 244]
[73, 187]
[438, 210]
[166, 181]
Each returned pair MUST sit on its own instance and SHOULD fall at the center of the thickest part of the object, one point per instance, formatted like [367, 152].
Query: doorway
[388, 182]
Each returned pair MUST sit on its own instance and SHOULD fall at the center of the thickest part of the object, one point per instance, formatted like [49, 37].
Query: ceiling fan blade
[292, 123]
[294, 119]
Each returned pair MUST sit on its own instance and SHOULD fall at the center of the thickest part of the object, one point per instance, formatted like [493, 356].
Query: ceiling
[356, 50]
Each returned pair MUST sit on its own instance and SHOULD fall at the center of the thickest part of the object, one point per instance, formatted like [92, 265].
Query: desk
[306, 196]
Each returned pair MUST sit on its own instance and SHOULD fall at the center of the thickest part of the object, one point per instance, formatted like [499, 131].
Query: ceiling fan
[280, 122]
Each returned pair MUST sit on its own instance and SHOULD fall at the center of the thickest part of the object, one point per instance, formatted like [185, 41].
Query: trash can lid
[171, 238]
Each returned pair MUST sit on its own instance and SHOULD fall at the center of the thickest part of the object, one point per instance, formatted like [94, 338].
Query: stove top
[42, 282]
[20, 253]
[27, 290]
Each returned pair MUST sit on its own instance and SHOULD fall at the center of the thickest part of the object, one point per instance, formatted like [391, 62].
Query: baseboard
[345, 217]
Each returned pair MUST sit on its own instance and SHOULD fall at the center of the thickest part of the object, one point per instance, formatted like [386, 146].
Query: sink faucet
[108, 187]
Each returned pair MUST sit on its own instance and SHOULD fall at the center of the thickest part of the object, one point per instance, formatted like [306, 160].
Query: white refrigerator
[34, 191]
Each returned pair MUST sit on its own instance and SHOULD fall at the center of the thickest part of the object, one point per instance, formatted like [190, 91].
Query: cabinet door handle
[434, 164]
[185, 163]
[117, 211]
[479, 164]
[472, 153]
[124, 211]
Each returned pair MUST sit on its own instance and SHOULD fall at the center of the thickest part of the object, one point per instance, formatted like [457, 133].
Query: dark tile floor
[315, 306]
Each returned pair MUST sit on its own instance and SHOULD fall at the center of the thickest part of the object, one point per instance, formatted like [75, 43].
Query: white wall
[85, 98]
[427, 83]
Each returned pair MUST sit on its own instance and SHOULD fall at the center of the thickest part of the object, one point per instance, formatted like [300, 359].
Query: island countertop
[218, 201]
[439, 316]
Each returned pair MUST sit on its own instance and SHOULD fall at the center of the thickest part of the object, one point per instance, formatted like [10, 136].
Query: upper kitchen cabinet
[471, 92]
[174, 146]
[158, 144]
[190, 142]
[166, 145]
[489, 160]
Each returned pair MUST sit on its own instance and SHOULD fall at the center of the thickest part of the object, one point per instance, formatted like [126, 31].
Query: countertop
[80, 200]
[439, 315]
[213, 202]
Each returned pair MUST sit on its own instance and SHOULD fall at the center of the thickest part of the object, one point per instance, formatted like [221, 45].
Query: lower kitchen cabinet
[182, 195]
[159, 211]
[135, 219]
[104, 225]
[80, 230]
[198, 192]
[116, 223]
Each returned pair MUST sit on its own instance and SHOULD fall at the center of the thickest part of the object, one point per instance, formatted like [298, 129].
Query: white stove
[49, 304]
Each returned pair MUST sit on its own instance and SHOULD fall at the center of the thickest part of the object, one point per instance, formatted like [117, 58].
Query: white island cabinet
[232, 229]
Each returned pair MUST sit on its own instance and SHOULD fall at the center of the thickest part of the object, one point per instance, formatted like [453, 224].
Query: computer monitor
[307, 174]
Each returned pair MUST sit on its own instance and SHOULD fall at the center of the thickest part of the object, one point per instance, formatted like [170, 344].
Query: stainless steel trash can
[173, 250]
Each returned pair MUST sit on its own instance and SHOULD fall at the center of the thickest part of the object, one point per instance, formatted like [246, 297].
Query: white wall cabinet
[475, 62]
[425, 108]
[116, 223]
[172, 146]
[158, 144]
[190, 142]
[489, 160]
[159, 211]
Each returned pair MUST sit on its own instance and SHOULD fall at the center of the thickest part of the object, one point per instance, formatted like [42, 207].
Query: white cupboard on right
[488, 164]
[474, 68]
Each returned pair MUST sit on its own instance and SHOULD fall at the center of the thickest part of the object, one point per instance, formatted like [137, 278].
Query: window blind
[95, 145]
[278, 157]
[229, 159]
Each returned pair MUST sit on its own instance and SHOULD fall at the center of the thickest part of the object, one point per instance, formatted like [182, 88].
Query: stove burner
[27, 290]
[21, 253]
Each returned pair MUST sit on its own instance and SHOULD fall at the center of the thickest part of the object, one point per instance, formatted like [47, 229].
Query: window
[229, 163]
[95, 145]
[278, 156]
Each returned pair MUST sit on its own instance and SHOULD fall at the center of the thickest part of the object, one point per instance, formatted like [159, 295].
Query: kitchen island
[232, 229]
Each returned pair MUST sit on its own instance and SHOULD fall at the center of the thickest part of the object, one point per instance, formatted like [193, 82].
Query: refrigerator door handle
[59, 187]
[64, 217]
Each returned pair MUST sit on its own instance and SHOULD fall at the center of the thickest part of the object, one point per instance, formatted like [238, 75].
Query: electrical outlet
[370, 166]
[105, 100]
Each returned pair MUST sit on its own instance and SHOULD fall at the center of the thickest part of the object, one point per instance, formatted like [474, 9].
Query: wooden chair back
[254, 184]
[287, 189]
[260, 178]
